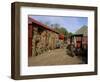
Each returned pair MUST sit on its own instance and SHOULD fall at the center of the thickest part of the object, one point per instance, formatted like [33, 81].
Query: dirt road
[53, 57]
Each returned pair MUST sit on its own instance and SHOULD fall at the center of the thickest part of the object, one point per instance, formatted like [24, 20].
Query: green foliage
[63, 31]
[70, 33]
[59, 29]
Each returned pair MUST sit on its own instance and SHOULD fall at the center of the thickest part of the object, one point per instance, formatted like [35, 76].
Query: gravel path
[53, 57]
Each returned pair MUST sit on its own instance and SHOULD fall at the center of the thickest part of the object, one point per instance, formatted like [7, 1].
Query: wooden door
[79, 42]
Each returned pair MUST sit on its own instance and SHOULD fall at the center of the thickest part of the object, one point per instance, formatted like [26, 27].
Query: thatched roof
[83, 30]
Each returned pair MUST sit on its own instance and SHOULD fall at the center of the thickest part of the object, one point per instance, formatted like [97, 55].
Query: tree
[59, 29]
[63, 31]
[70, 33]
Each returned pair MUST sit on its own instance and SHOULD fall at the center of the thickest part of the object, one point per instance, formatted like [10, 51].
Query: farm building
[41, 38]
[77, 44]
[80, 36]
[84, 32]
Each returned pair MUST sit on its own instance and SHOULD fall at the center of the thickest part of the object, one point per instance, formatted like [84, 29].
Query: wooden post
[30, 40]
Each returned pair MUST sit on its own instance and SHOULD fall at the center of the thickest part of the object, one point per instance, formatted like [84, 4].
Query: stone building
[41, 38]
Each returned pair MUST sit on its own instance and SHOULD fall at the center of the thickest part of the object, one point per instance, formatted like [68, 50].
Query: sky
[72, 24]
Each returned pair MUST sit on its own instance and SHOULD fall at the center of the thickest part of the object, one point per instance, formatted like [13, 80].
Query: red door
[78, 42]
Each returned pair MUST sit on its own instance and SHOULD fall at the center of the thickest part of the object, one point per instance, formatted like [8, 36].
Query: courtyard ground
[53, 57]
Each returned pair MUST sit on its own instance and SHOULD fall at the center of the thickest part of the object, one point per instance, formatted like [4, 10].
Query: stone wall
[43, 40]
